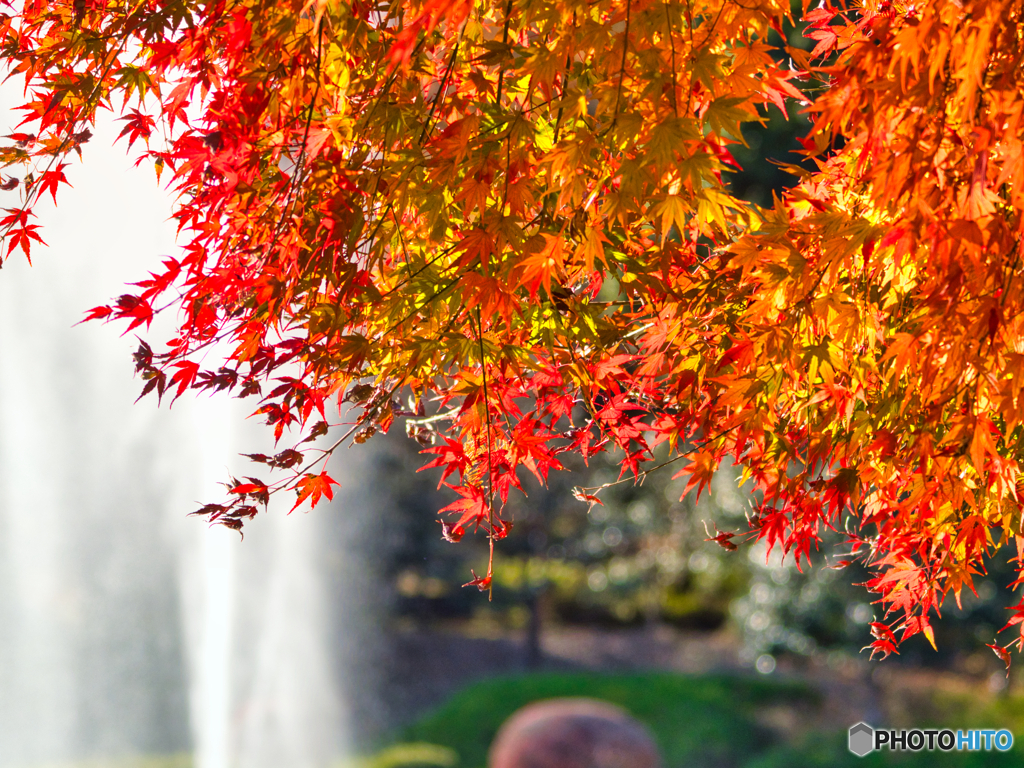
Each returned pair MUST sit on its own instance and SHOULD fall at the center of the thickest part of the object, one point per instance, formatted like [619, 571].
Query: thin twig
[637, 478]
[504, 41]
[622, 65]
[672, 47]
[442, 89]
[490, 477]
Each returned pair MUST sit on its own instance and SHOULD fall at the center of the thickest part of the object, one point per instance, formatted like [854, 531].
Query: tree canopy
[507, 223]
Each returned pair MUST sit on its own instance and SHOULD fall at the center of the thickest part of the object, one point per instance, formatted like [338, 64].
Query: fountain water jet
[126, 628]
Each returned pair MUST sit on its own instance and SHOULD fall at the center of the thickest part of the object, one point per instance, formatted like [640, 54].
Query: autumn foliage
[506, 222]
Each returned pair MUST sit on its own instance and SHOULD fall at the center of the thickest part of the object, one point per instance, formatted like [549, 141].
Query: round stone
[573, 733]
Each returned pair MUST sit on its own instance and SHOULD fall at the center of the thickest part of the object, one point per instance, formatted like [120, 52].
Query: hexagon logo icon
[862, 739]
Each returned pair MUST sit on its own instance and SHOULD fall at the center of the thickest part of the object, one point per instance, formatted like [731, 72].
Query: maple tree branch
[425, 420]
[442, 89]
[639, 477]
[565, 84]
[401, 239]
[714, 25]
[376, 190]
[508, 171]
[490, 476]
[504, 41]
[387, 84]
[298, 178]
[622, 66]
[430, 262]
[425, 303]
[672, 46]
[326, 453]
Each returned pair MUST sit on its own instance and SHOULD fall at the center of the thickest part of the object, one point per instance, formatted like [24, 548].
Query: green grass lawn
[715, 721]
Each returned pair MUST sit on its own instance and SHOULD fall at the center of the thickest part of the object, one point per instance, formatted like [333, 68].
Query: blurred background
[132, 635]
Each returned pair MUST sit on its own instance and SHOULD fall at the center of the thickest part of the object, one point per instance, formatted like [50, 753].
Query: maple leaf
[721, 538]
[1003, 654]
[19, 232]
[49, 180]
[541, 267]
[700, 470]
[255, 488]
[472, 508]
[483, 583]
[777, 87]
[185, 376]
[452, 456]
[885, 641]
[312, 487]
[580, 494]
[452, 533]
[915, 624]
[139, 126]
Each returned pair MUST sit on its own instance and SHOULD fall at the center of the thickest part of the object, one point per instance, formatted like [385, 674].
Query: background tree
[508, 223]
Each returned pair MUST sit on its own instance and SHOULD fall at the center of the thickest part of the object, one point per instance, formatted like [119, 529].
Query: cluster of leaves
[513, 213]
[638, 558]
